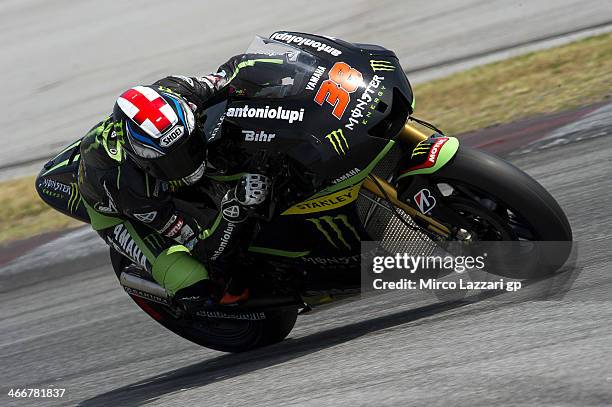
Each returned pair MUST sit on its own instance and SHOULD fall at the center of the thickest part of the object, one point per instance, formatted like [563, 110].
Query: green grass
[553, 80]
[24, 214]
[547, 81]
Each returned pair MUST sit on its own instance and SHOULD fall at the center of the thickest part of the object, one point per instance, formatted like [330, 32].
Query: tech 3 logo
[336, 138]
[334, 223]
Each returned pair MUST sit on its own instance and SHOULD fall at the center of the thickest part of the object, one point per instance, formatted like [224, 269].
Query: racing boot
[201, 295]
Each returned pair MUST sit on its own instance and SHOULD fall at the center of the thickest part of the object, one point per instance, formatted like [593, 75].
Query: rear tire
[225, 335]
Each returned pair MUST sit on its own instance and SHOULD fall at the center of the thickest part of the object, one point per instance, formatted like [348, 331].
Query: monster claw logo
[381, 65]
[330, 221]
[75, 198]
[336, 138]
[422, 148]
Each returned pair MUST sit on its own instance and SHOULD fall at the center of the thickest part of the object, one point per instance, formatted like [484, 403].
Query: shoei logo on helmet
[148, 109]
[172, 136]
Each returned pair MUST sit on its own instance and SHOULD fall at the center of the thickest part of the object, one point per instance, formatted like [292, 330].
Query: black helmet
[161, 135]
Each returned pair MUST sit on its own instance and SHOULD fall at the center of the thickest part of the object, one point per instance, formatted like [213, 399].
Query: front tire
[502, 203]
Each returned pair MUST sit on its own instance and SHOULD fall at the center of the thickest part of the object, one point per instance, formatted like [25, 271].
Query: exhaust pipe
[146, 289]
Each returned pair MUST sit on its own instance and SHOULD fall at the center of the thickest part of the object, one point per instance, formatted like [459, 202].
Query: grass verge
[547, 81]
[24, 214]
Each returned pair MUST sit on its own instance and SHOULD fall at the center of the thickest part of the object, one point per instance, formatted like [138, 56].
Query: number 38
[342, 80]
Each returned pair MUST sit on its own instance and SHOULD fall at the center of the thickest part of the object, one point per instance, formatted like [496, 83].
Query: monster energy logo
[330, 221]
[380, 65]
[421, 148]
[155, 240]
[75, 198]
[336, 138]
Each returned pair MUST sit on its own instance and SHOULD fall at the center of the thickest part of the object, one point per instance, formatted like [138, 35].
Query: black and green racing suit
[147, 219]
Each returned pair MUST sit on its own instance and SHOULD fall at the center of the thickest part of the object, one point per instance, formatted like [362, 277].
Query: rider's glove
[251, 192]
[252, 189]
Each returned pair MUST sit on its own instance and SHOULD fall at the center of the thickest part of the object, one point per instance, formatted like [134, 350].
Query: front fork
[412, 137]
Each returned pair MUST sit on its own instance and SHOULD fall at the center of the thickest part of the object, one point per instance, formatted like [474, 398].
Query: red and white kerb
[147, 108]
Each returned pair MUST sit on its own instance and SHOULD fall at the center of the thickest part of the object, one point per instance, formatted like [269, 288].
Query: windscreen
[272, 70]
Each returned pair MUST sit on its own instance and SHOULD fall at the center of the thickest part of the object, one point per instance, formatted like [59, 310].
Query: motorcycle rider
[139, 160]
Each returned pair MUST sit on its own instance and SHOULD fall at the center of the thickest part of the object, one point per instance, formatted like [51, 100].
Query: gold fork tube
[411, 135]
[433, 225]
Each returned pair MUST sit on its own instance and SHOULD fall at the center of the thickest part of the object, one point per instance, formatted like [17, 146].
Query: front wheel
[226, 335]
[493, 201]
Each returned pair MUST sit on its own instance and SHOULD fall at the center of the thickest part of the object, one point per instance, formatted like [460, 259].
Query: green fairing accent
[233, 177]
[447, 152]
[174, 269]
[56, 166]
[357, 178]
[99, 221]
[140, 243]
[206, 233]
[276, 252]
[62, 164]
[252, 62]
[76, 143]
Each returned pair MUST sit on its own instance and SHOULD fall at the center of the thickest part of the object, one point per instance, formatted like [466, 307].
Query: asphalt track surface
[64, 63]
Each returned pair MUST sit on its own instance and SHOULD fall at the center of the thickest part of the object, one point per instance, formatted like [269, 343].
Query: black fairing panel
[321, 144]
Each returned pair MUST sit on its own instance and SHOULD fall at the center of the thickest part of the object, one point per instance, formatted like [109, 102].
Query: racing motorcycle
[333, 121]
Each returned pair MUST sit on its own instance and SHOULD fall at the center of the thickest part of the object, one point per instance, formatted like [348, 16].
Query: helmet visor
[185, 162]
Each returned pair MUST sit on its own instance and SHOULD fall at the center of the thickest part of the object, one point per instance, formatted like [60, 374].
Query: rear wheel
[226, 335]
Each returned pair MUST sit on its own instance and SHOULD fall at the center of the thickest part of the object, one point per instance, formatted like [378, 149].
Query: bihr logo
[250, 135]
